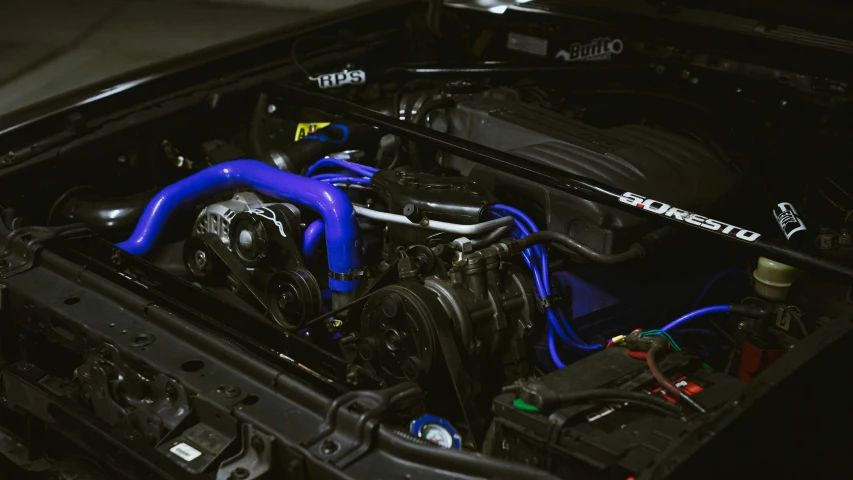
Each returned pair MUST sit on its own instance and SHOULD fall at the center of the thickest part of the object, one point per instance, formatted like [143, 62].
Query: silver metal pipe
[456, 228]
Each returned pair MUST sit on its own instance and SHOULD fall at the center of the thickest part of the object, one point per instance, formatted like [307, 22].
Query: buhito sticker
[186, 452]
[596, 50]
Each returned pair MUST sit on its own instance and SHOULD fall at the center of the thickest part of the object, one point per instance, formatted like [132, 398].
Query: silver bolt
[783, 103]
[694, 80]
[122, 159]
[200, 258]
[179, 162]
[741, 326]
[271, 108]
[738, 90]
[246, 240]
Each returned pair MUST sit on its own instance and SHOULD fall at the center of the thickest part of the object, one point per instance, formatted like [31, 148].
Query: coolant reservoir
[773, 279]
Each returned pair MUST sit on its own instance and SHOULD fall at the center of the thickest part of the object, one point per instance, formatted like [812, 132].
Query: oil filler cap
[436, 430]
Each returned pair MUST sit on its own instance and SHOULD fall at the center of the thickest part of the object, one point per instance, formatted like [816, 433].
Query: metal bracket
[347, 433]
[252, 461]
[24, 244]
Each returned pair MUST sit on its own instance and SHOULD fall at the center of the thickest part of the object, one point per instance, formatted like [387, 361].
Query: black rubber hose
[612, 394]
[491, 237]
[615, 395]
[635, 251]
[337, 137]
[104, 214]
[420, 117]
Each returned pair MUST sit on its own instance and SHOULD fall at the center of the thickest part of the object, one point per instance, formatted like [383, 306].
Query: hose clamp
[353, 274]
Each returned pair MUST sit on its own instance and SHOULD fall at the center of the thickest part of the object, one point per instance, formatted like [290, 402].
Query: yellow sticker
[303, 129]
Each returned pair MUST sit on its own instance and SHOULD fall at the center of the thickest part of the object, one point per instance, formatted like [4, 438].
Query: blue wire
[713, 280]
[362, 170]
[534, 257]
[695, 314]
[552, 349]
[354, 180]
[521, 220]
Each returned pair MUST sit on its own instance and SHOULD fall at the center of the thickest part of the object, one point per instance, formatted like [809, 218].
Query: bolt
[738, 90]
[179, 162]
[352, 378]
[328, 447]
[25, 366]
[257, 444]
[685, 74]
[412, 368]
[229, 391]
[783, 103]
[285, 299]
[239, 473]
[271, 109]
[392, 340]
[200, 258]
[246, 240]
[122, 159]
[694, 80]
[741, 326]
[845, 238]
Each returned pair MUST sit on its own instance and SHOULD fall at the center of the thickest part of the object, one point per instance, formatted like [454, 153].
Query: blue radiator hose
[329, 201]
[312, 238]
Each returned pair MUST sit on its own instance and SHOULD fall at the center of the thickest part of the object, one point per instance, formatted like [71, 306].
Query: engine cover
[638, 158]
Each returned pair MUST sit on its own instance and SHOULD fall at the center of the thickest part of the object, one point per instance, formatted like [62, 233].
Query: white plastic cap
[773, 279]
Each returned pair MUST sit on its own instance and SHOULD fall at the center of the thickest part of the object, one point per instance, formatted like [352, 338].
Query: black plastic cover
[644, 159]
[446, 199]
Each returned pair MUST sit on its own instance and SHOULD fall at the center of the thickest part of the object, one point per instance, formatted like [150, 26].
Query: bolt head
[200, 258]
[246, 240]
[271, 109]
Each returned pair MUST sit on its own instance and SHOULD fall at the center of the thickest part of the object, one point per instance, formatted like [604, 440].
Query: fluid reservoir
[773, 279]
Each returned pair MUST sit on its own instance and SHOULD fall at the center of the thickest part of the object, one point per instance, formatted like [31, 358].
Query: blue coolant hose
[331, 203]
[312, 238]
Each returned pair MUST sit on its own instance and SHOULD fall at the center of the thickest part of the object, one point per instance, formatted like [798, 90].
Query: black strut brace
[567, 182]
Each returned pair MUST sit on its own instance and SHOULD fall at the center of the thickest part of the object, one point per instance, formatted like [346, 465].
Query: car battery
[609, 439]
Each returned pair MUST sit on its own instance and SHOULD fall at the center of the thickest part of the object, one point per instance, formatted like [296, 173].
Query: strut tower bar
[574, 184]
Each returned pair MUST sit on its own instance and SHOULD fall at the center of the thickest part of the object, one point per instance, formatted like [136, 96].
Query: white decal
[527, 44]
[598, 49]
[186, 452]
[339, 79]
[788, 219]
[260, 212]
[663, 209]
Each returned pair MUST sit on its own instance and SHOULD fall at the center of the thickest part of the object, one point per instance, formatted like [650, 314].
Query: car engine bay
[585, 264]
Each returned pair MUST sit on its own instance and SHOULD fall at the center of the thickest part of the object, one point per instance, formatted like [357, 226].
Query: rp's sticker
[339, 79]
[303, 129]
[599, 49]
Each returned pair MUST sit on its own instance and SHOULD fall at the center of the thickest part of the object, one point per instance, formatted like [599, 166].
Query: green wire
[669, 338]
